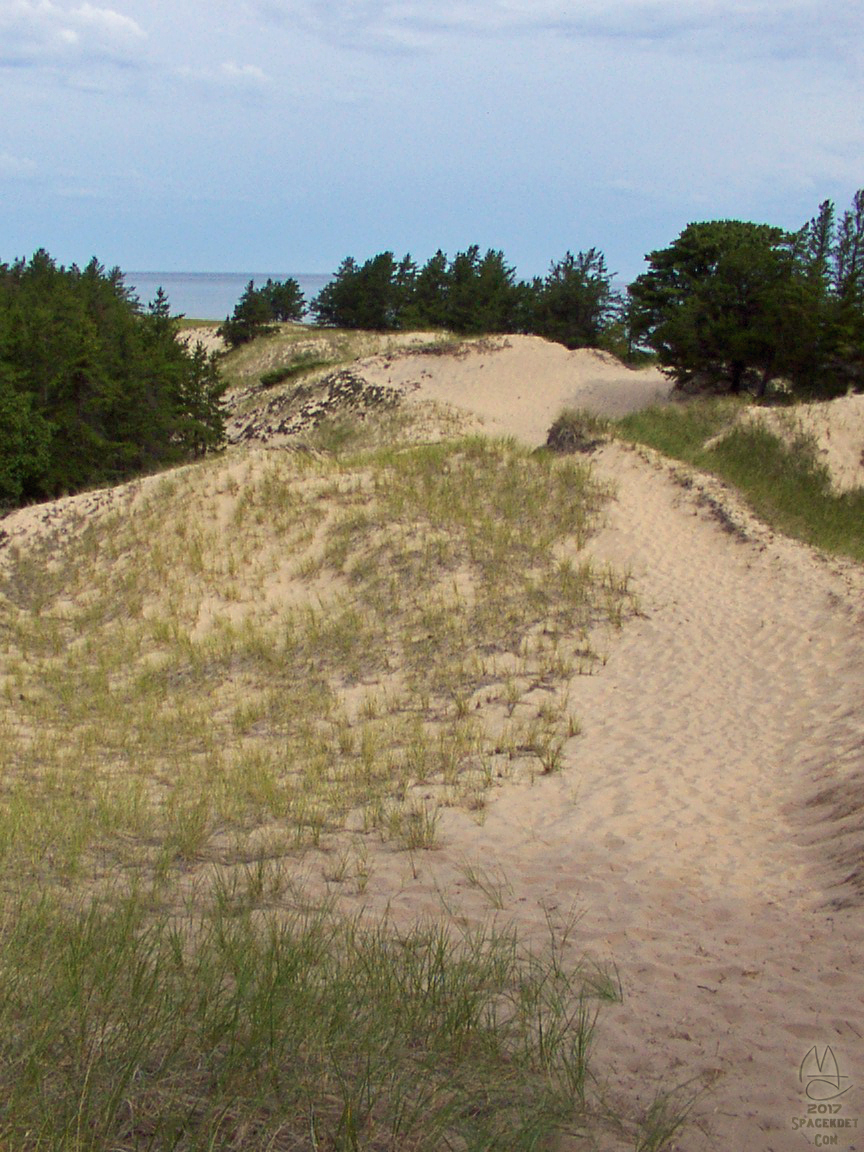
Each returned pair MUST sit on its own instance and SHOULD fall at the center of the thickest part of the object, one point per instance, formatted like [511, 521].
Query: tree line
[729, 306]
[471, 294]
[94, 388]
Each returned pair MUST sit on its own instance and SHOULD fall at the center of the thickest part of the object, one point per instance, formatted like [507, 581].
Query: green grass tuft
[302, 1031]
[785, 484]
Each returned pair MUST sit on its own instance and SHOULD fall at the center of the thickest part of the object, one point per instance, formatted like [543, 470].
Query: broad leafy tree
[714, 304]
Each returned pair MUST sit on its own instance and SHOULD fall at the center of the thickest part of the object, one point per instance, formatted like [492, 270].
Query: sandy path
[683, 849]
[674, 832]
[678, 831]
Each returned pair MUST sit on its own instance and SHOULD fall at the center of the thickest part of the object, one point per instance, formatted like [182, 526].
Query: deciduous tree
[734, 305]
[714, 304]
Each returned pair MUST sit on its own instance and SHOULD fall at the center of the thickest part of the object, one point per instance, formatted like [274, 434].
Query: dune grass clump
[577, 430]
[302, 349]
[257, 661]
[784, 482]
[681, 430]
[299, 1031]
[787, 486]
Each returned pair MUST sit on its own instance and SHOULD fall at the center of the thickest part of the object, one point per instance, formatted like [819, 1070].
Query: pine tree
[93, 389]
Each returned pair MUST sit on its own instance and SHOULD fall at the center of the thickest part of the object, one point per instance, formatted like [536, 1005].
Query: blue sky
[284, 135]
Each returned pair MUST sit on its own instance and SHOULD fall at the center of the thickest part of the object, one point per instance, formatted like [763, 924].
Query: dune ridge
[707, 830]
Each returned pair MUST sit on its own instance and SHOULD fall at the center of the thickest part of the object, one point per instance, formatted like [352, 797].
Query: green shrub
[298, 367]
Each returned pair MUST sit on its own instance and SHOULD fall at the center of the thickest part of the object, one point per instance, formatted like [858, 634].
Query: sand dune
[517, 385]
[836, 427]
[706, 832]
[677, 831]
[683, 832]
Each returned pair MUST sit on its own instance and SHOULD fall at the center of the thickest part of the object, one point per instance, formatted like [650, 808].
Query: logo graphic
[822, 1076]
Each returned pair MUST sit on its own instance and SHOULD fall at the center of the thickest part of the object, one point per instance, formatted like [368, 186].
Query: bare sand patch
[684, 833]
[517, 385]
[679, 834]
[206, 335]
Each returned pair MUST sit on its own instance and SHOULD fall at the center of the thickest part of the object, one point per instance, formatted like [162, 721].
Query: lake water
[212, 295]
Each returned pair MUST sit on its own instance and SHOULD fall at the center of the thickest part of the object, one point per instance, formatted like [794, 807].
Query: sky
[284, 135]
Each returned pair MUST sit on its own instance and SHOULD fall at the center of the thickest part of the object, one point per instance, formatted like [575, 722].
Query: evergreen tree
[285, 300]
[94, 389]
[370, 296]
[482, 295]
[201, 424]
[427, 303]
[848, 252]
[831, 331]
[252, 316]
[24, 443]
[575, 304]
[333, 307]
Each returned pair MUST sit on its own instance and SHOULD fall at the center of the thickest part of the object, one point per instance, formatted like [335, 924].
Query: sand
[707, 832]
[835, 426]
[682, 832]
[517, 385]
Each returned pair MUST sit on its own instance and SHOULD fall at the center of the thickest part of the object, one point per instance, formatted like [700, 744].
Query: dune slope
[706, 832]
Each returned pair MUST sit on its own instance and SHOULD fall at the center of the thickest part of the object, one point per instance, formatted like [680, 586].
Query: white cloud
[16, 167]
[107, 24]
[227, 75]
[775, 27]
[246, 74]
[40, 32]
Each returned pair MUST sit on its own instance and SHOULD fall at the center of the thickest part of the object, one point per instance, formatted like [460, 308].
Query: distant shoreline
[212, 295]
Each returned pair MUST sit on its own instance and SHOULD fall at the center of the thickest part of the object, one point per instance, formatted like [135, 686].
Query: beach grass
[313, 640]
[263, 670]
[782, 479]
[307, 350]
[298, 1030]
